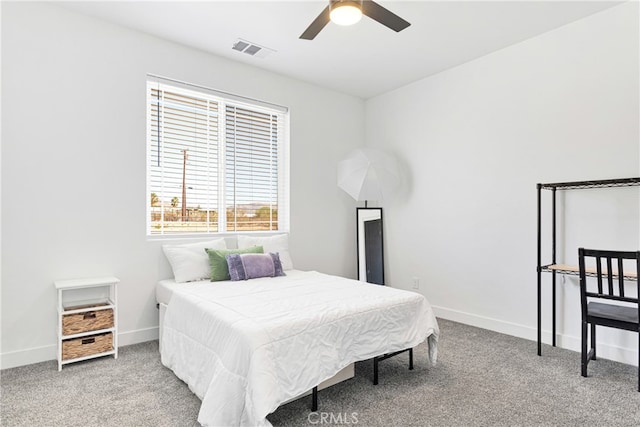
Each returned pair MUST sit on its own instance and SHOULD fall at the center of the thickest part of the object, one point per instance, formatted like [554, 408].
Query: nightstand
[87, 319]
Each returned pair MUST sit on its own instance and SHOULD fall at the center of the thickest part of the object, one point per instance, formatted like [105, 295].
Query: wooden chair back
[611, 273]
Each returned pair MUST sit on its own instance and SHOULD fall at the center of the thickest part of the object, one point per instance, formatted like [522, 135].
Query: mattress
[165, 289]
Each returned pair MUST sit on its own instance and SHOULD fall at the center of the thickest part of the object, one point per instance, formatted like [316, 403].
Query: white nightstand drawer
[87, 321]
[87, 346]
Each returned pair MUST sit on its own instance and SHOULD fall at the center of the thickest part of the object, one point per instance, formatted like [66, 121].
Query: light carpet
[482, 378]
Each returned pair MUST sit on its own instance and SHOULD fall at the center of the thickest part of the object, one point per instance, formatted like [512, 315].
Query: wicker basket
[87, 321]
[87, 346]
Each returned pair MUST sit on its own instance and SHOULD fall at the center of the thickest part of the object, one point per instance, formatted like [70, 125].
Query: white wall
[477, 138]
[73, 166]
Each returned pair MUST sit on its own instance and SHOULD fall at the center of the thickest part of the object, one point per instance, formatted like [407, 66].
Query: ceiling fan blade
[318, 24]
[384, 16]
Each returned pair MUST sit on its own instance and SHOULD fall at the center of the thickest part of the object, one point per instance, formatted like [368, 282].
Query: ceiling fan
[348, 12]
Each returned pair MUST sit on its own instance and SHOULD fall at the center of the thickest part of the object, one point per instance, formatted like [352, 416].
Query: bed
[246, 347]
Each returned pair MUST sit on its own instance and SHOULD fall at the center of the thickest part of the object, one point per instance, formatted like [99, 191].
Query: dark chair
[609, 265]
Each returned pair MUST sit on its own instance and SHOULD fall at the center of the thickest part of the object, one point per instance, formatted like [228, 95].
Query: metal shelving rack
[553, 267]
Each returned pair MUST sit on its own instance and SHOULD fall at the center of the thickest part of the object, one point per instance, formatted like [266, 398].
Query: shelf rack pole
[553, 261]
[539, 270]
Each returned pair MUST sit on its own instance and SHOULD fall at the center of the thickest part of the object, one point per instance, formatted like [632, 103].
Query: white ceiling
[364, 60]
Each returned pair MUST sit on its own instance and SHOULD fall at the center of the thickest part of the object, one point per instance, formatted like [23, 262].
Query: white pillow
[190, 261]
[278, 243]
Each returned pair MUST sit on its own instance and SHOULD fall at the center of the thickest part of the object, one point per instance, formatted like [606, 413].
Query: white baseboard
[137, 336]
[29, 356]
[497, 325]
[625, 355]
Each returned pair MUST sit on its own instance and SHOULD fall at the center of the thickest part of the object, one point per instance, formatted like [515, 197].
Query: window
[215, 162]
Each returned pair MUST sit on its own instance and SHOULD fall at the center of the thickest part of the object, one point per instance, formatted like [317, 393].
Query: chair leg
[639, 362]
[585, 361]
[593, 340]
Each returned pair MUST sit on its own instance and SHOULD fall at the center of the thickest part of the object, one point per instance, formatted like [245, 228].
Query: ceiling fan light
[345, 13]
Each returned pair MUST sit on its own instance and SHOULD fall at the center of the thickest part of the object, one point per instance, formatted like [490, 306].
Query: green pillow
[218, 261]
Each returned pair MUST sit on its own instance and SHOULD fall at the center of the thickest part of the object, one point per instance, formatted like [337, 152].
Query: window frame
[223, 99]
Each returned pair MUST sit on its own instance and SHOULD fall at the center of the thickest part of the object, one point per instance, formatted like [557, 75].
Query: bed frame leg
[314, 399]
[411, 359]
[375, 370]
[378, 359]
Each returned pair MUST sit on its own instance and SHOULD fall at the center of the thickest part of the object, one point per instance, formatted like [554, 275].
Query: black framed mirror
[370, 245]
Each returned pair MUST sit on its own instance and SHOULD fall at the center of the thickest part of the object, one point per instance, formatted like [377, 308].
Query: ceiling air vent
[252, 49]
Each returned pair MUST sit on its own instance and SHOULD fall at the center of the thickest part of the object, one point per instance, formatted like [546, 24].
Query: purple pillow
[251, 266]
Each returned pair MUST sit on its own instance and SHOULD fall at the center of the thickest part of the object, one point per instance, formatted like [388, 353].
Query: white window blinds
[215, 163]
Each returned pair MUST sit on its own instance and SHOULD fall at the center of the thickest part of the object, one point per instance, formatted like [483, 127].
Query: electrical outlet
[415, 282]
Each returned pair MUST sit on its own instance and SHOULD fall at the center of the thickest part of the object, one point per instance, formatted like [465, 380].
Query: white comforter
[245, 347]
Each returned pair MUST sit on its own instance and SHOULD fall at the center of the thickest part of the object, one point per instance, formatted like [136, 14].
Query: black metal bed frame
[576, 185]
[376, 360]
[387, 356]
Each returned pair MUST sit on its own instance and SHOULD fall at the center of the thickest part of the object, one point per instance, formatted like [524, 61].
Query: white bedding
[245, 347]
